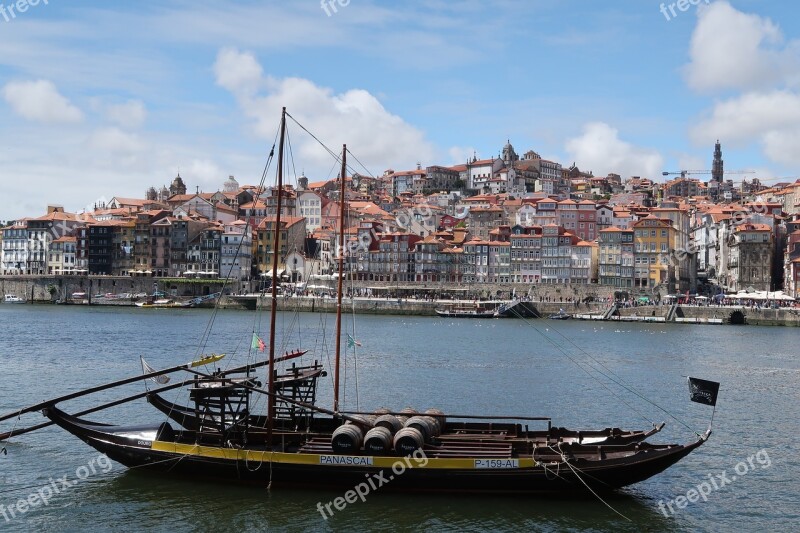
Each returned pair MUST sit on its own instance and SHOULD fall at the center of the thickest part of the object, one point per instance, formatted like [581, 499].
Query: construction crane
[683, 173]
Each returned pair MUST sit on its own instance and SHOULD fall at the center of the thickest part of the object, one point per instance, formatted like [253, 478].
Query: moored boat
[466, 311]
[519, 466]
[165, 303]
[13, 299]
[561, 315]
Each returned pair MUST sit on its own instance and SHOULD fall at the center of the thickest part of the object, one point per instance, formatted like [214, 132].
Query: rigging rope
[607, 372]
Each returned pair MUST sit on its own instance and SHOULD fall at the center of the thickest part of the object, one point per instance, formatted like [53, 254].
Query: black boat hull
[565, 469]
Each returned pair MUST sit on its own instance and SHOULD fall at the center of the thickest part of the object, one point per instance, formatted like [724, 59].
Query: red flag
[261, 345]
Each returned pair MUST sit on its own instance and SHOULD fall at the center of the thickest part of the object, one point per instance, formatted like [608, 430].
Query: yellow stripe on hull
[231, 454]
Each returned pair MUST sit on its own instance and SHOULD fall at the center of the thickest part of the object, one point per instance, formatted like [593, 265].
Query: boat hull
[563, 469]
[466, 314]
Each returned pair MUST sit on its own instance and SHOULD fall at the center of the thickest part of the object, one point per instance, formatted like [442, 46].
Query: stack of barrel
[382, 432]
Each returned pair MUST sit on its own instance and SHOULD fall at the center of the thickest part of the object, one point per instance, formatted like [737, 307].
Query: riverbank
[583, 302]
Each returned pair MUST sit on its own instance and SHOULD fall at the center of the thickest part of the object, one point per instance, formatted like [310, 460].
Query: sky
[107, 98]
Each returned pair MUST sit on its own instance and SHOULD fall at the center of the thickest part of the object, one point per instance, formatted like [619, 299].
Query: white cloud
[237, 72]
[40, 101]
[131, 114]
[113, 141]
[600, 150]
[377, 137]
[205, 171]
[781, 146]
[771, 119]
[735, 50]
[749, 116]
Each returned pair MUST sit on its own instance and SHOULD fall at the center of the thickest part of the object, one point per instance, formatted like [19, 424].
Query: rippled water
[489, 367]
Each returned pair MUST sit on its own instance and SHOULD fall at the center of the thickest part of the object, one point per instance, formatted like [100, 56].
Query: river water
[498, 367]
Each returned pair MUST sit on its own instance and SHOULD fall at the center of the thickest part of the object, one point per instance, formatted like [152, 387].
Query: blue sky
[99, 99]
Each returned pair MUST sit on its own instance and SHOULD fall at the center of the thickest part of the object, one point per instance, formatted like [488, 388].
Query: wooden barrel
[365, 422]
[437, 415]
[378, 441]
[426, 425]
[406, 413]
[408, 440]
[347, 439]
[390, 422]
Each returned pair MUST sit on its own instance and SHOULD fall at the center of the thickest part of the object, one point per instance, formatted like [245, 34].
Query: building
[169, 245]
[430, 260]
[654, 239]
[443, 178]
[604, 217]
[587, 220]
[476, 261]
[292, 238]
[684, 187]
[42, 231]
[584, 263]
[483, 219]
[309, 206]
[100, 250]
[62, 258]
[393, 260]
[616, 257]
[142, 249]
[203, 253]
[526, 257]
[557, 254]
[499, 262]
[122, 243]
[236, 246]
[750, 265]
[15, 248]
[480, 172]
[791, 274]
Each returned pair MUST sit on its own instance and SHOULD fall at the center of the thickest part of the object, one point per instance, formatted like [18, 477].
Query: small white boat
[13, 299]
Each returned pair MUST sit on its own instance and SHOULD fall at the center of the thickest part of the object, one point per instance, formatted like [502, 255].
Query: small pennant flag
[258, 344]
[147, 369]
[351, 342]
[702, 391]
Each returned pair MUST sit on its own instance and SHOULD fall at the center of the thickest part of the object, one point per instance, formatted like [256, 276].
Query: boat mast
[339, 288]
[275, 251]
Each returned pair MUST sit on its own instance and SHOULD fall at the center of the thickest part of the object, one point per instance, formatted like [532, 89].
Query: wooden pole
[41, 405]
[342, 203]
[274, 309]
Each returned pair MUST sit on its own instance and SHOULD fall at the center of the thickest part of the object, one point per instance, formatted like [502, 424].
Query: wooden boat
[467, 311]
[517, 466]
[299, 443]
[13, 299]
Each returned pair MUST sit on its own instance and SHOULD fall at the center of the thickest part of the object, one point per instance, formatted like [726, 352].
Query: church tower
[508, 154]
[717, 171]
[177, 187]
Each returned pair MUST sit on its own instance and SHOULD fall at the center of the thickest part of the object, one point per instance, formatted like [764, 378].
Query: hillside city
[505, 220]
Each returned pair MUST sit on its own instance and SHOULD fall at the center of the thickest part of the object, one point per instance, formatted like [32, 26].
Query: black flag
[703, 391]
